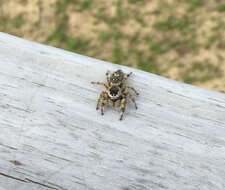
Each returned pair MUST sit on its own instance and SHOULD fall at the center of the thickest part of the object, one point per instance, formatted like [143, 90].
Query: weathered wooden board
[51, 136]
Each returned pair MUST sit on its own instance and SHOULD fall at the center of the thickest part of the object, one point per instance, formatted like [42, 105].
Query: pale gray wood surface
[51, 136]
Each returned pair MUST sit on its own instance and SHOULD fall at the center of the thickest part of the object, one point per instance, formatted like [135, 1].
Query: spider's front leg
[122, 107]
[108, 76]
[127, 76]
[100, 83]
[135, 91]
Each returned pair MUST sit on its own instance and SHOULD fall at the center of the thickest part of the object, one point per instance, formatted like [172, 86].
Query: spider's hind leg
[123, 107]
[132, 99]
[101, 102]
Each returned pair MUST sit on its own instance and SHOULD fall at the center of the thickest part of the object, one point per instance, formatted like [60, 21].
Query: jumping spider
[116, 92]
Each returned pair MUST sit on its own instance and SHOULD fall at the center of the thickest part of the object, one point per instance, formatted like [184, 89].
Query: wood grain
[53, 138]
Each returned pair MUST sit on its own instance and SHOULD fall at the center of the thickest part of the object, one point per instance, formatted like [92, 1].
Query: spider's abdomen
[114, 91]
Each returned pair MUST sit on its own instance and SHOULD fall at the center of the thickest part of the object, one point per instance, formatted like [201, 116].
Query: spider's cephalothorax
[116, 92]
[117, 77]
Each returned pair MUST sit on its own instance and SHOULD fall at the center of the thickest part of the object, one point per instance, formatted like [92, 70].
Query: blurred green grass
[180, 39]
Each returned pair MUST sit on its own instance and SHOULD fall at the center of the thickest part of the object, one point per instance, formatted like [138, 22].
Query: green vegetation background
[180, 39]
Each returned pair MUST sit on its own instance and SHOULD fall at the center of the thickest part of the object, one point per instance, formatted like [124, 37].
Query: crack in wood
[27, 180]
[44, 185]
[10, 147]
[9, 176]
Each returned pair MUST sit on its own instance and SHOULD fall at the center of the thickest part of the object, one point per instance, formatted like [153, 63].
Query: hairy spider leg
[127, 76]
[132, 99]
[135, 91]
[101, 101]
[100, 83]
[122, 107]
[108, 77]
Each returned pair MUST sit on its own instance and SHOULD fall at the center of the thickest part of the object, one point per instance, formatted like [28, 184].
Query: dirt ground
[180, 39]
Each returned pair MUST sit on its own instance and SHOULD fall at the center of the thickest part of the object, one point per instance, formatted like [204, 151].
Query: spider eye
[114, 79]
